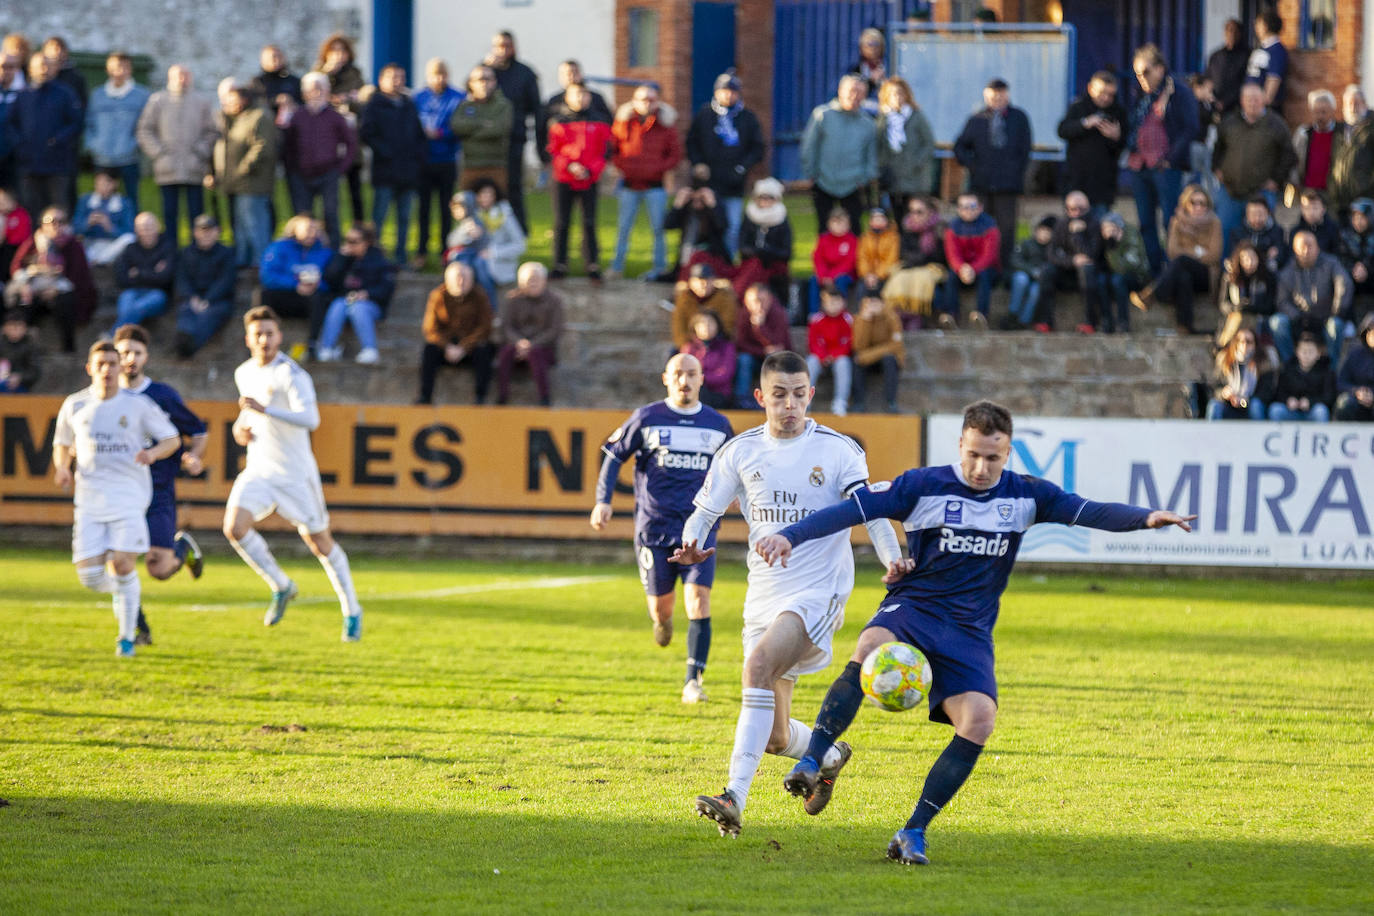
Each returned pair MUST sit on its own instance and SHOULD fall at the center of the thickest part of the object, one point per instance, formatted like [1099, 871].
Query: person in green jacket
[1128, 270]
[839, 153]
[482, 123]
[906, 145]
[245, 170]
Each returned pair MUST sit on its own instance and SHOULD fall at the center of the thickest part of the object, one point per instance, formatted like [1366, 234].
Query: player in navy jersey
[964, 524]
[169, 549]
[672, 442]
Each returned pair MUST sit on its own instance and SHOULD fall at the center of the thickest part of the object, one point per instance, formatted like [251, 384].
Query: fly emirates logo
[784, 510]
[982, 545]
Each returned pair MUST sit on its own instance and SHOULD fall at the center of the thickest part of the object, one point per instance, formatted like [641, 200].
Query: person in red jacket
[835, 259]
[578, 145]
[830, 338]
[972, 243]
[646, 148]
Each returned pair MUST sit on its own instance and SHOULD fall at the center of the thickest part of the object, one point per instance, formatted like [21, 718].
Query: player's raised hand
[1161, 517]
[773, 548]
[689, 554]
[898, 568]
[601, 514]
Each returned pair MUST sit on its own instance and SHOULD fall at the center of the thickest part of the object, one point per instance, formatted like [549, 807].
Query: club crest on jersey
[954, 512]
[817, 477]
[665, 437]
[123, 422]
[1004, 511]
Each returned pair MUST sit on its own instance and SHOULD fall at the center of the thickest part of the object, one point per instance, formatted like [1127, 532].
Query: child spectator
[879, 250]
[878, 348]
[468, 241]
[1236, 377]
[457, 329]
[702, 291]
[765, 241]
[835, 258]
[362, 280]
[761, 331]
[292, 271]
[104, 220]
[1355, 403]
[1357, 253]
[579, 144]
[1074, 253]
[1316, 220]
[205, 278]
[15, 228]
[703, 224]
[972, 243]
[506, 240]
[20, 357]
[911, 290]
[1128, 271]
[1194, 250]
[716, 354]
[144, 272]
[1247, 292]
[1305, 386]
[830, 339]
[1028, 259]
[1263, 234]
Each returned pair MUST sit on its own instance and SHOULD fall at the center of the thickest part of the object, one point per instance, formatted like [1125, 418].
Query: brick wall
[1333, 69]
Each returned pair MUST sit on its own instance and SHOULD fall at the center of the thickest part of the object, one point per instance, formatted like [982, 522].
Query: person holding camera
[703, 222]
[1093, 139]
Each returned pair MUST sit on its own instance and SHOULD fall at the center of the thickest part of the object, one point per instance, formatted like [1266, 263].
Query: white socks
[95, 578]
[127, 596]
[336, 568]
[751, 737]
[799, 739]
[258, 556]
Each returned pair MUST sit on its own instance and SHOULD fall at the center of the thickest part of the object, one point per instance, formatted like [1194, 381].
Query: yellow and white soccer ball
[895, 676]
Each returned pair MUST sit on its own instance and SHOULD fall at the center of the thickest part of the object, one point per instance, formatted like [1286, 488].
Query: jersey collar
[959, 476]
[141, 386]
[683, 411]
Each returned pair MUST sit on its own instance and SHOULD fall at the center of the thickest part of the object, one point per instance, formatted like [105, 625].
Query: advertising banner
[1266, 494]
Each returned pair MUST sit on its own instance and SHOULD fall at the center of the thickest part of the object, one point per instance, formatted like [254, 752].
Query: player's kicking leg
[238, 528]
[335, 563]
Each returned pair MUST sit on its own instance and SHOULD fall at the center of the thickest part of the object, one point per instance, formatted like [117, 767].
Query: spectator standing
[177, 132]
[1314, 297]
[318, 147]
[906, 145]
[716, 354]
[761, 331]
[1074, 255]
[520, 87]
[390, 126]
[1305, 386]
[1163, 127]
[505, 240]
[1028, 260]
[293, 271]
[765, 242]
[44, 122]
[569, 72]
[995, 147]
[871, 68]
[11, 82]
[482, 124]
[1355, 403]
[337, 61]
[205, 276]
[457, 330]
[647, 148]
[912, 289]
[1354, 107]
[21, 359]
[245, 170]
[839, 153]
[579, 144]
[436, 104]
[104, 220]
[1253, 156]
[1226, 67]
[1268, 63]
[49, 274]
[702, 291]
[531, 325]
[112, 123]
[726, 138]
[1316, 145]
[973, 242]
[878, 349]
[830, 342]
[703, 224]
[361, 280]
[145, 272]
[1127, 271]
[1093, 130]
[1194, 256]
[277, 87]
[56, 50]
[1236, 377]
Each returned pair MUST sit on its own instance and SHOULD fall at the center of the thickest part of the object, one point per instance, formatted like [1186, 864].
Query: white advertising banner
[1266, 494]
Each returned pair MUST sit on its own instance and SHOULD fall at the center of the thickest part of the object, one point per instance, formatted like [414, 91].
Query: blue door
[713, 48]
[393, 31]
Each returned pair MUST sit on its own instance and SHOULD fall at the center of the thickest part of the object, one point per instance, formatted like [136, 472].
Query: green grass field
[507, 738]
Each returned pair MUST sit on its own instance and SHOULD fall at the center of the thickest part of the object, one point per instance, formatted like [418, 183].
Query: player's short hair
[101, 346]
[782, 362]
[134, 332]
[260, 313]
[987, 418]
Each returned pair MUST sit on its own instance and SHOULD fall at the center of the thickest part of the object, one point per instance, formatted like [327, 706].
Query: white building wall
[1215, 13]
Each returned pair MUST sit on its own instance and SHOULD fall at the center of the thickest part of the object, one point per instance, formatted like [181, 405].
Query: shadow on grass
[78, 854]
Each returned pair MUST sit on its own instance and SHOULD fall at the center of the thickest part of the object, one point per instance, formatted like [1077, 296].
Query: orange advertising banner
[389, 469]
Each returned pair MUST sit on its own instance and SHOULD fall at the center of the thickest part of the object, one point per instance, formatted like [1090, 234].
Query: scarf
[118, 92]
[896, 128]
[766, 217]
[926, 237]
[725, 122]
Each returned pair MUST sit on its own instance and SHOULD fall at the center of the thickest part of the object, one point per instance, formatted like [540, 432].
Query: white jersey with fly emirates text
[106, 434]
[278, 448]
[781, 481]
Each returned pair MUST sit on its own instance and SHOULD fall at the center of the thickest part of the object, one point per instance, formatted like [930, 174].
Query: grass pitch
[507, 738]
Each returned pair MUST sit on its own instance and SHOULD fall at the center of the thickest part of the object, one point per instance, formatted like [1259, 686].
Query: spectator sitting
[16, 226]
[1355, 403]
[49, 273]
[1317, 221]
[647, 149]
[1236, 377]
[1194, 255]
[1028, 260]
[457, 328]
[1305, 386]
[292, 271]
[468, 241]
[716, 354]
[205, 275]
[144, 272]
[1314, 295]
[830, 340]
[505, 238]
[111, 122]
[702, 291]
[1073, 257]
[972, 247]
[1357, 254]
[104, 220]
[531, 324]
[880, 249]
[703, 223]
[912, 287]
[1127, 269]
[579, 143]
[1318, 144]
[763, 330]
[390, 127]
[21, 360]
[362, 280]
[878, 348]
[1262, 234]
[835, 258]
[765, 242]
[1247, 292]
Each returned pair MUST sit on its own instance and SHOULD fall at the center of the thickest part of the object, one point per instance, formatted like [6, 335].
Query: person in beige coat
[1194, 251]
[177, 132]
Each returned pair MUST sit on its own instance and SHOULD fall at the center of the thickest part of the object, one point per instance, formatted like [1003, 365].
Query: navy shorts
[659, 576]
[162, 518]
[960, 658]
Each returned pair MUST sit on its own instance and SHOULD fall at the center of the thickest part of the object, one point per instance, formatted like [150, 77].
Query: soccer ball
[895, 676]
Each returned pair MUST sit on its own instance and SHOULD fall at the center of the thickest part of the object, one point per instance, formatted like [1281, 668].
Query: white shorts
[94, 539]
[299, 500]
[821, 611]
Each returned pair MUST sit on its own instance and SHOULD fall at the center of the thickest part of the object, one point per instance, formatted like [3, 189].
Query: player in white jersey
[277, 412]
[104, 429]
[780, 473]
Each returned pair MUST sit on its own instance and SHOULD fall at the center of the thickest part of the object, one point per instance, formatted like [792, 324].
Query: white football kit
[778, 482]
[112, 489]
[280, 474]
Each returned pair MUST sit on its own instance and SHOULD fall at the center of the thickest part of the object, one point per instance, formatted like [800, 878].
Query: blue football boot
[908, 847]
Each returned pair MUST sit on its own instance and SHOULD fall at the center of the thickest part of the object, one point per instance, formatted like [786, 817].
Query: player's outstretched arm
[1161, 518]
[689, 554]
[827, 521]
[694, 533]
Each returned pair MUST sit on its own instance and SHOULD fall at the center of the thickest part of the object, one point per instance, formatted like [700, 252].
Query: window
[1317, 25]
[643, 37]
